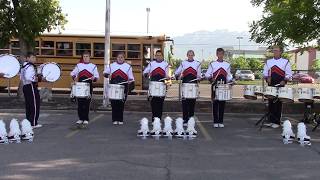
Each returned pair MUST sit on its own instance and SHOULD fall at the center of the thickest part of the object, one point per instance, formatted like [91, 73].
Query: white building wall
[318, 55]
[303, 61]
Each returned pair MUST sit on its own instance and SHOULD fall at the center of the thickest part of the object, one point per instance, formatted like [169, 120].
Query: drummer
[218, 71]
[190, 72]
[157, 70]
[87, 72]
[277, 72]
[30, 80]
[119, 72]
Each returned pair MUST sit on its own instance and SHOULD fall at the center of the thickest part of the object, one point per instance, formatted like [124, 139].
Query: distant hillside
[204, 43]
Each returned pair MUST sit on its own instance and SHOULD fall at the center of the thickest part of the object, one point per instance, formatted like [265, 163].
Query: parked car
[244, 75]
[302, 78]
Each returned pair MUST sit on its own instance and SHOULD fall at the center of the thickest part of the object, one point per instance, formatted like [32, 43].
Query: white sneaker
[215, 125]
[79, 122]
[221, 125]
[37, 126]
[275, 125]
[120, 122]
[268, 124]
[115, 122]
[85, 122]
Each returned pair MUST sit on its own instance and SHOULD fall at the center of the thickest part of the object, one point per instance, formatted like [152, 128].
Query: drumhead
[51, 72]
[9, 65]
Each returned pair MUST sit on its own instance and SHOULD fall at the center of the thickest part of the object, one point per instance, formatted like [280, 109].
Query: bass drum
[50, 71]
[9, 66]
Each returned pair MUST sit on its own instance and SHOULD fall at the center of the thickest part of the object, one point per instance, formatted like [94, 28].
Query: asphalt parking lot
[104, 151]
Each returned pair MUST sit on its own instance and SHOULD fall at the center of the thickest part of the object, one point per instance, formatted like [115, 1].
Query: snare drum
[258, 90]
[285, 94]
[157, 89]
[223, 92]
[316, 94]
[249, 92]
[190, 90]
[51, 72]
[116, 92]
[9, 66]
[271, 92]
[305, 94]
[80, 90]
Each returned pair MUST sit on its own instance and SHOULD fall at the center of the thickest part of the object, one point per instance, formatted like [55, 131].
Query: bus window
[116, 48]
[37, 49]
[98, 49]
[82, 47]
[134, 51]
[64, 48]
[47, 48]
[5, 49]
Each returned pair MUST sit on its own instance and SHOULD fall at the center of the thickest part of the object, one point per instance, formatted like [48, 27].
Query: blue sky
[170, 17]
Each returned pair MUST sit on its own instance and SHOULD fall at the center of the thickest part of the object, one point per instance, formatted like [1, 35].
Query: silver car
[244, 75]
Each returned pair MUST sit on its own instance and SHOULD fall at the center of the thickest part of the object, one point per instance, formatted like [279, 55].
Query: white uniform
[28, 76]
[28, 73]
[219, 71]
[189, 70]
[278, 69]
[119, 73]
[85, 72]
[157, 70]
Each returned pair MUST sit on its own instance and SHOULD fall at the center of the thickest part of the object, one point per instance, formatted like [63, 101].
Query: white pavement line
[69, 135]
[203, 130]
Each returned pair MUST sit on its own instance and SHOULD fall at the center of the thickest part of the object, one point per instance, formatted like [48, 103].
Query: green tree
[316, 64]
[175, 63]
[27, 19]
[239, 63]
[205, 64]
[290, 21]
[255, 64]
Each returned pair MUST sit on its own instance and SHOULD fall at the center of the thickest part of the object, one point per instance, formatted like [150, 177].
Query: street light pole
[148, 12]
[239, 38]
[106, 53]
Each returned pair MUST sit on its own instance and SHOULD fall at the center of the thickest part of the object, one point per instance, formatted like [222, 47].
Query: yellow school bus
[66, 50]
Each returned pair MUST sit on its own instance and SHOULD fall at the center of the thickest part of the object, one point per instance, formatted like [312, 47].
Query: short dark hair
[220, 50]
[86, 52]
[29, 54]
[120, 53]
[158, 51]
[278, 46]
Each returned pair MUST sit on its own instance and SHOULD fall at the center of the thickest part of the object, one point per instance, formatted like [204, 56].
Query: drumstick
[87, 79]
[162, 79]
[216, 76]
[195, 79]
[125, 82]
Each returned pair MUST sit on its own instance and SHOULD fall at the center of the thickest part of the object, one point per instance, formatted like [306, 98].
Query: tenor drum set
[284, 94]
